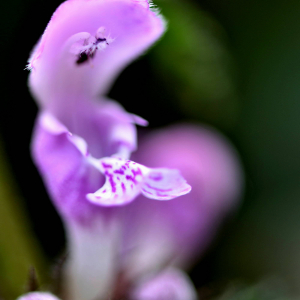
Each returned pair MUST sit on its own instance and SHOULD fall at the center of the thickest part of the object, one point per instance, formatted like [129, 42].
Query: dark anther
[32, 283]
[89, 53]
[99, 41]
[82, 57]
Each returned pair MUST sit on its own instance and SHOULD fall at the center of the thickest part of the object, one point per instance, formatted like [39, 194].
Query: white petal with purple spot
[125, 180]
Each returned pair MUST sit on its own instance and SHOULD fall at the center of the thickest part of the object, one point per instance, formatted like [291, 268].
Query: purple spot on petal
[111, 181]
[135, 173]
[147, 192]
[104, 191]
[106, 166]
[119, 172]
[156, 189]
[156, 176]
[130, 178]
[162, 195]
[123, 187]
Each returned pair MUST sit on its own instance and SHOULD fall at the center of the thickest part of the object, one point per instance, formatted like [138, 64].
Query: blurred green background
[233, 64]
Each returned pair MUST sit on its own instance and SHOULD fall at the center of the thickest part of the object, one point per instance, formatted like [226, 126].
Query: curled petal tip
[165, 184]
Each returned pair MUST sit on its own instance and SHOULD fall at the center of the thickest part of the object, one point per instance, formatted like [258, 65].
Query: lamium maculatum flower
[117, 221]
[82, 144]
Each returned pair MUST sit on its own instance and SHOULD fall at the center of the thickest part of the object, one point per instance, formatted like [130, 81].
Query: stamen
[91, 45]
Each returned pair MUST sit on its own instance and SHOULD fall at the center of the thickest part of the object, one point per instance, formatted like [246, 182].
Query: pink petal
[165, 184]
[170, 284]
[57, 82]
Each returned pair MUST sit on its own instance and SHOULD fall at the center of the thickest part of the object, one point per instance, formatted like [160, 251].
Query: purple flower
[82, 144]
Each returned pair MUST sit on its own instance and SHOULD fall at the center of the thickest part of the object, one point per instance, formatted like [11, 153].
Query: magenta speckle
[120, 171]
[162, 195]
[156, 189]
[123, 187]
[106, 166]
[104, 191]
[156, 176]
[147, 192]
[130, 178]
[135, 173]
[111, 181]
[131, 186]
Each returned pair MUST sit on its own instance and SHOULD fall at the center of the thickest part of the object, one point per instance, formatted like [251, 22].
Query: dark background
[233, 64]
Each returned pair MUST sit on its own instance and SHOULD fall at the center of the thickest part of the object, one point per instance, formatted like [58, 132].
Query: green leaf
[194, 63]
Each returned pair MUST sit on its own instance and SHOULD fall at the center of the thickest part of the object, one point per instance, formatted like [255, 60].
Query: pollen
[88, 47]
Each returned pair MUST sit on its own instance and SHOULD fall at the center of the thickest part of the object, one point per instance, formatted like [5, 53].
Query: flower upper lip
[55, 79]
